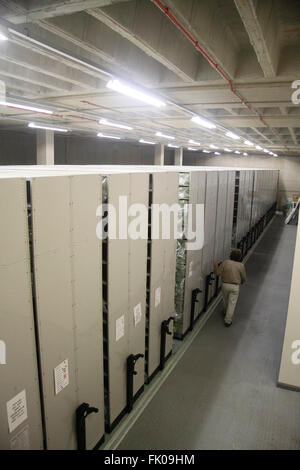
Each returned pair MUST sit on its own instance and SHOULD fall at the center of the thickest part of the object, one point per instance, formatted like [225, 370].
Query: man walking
[233, 274]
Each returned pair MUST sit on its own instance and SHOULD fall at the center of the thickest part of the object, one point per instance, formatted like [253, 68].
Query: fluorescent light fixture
[247, 142]
[108, 136]
[105, 122]
[266, 151]
[142, 141]
[212, 146]
[194, 142]
[237, 152]
[228, 150]
[245, 154]
[232, 135]
[192, 149]
[25, 107]
[258, 147]
[206, 151]
[173, 146]
[37, 126]
[160, 134]
[3, 37]
[125, 89]
[203, 122]
[275, 154]
[217, 153]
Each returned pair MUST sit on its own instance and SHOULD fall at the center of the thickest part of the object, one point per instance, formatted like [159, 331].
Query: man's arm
[243, 274]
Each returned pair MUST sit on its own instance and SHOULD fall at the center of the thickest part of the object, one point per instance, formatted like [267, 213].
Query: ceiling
[229, 61]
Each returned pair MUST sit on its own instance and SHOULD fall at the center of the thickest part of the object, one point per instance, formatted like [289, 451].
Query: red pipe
[221, 72]
[82, 117]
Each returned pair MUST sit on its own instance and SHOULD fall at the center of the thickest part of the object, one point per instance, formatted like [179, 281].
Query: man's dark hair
[236, 255]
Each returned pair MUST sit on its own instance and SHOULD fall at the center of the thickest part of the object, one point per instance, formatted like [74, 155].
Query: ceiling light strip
[127, 90]
[25, 107]
[104, 136]
[47, 128]
[105, 122]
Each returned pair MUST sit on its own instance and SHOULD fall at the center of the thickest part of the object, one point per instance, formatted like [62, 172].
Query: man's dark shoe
[227, 324]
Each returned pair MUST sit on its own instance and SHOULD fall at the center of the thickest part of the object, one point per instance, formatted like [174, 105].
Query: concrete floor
[222, 394]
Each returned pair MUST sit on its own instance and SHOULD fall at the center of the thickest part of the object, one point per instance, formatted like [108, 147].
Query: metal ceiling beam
[20, 15]
[144, 26]
[28, 90]
[284, 112]
[103, 46]
[262, 135]
[43, 62]
[260, 21]
[10, 69]
[206, 25]
[249, 121]
[293, 135]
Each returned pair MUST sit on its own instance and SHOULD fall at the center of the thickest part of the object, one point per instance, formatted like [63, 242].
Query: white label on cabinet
[157, 296]
[137, 313]
[16, 410]
[2, 352]
[191, 269]
[120, 327]
[61, 376]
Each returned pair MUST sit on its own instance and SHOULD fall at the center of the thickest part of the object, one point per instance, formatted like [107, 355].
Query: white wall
[75, 150]
[289, 374]
[83, 150]
[19, 148]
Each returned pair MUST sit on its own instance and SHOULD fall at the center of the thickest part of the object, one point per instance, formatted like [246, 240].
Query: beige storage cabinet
[124, 277]
[229, 214]
[210, 216]
[68, 298]
[161, 273]
[20, 408]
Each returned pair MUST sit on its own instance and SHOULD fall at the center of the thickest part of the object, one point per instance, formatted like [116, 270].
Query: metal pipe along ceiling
[221, 72]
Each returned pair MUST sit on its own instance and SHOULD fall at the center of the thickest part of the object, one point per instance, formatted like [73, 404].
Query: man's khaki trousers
[230, 294]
